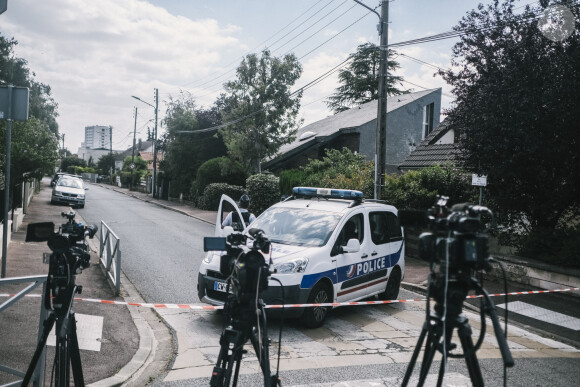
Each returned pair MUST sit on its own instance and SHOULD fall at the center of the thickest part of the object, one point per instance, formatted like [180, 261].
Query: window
[352, 229]
[385, 227]
[428, 111]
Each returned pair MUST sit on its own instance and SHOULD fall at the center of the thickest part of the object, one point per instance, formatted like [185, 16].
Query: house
[143, 149]
[438, 147]
[410, 118]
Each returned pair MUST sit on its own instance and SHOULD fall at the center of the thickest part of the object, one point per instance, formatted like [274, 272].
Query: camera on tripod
[243, 263]
[70, 253]
[455, 236]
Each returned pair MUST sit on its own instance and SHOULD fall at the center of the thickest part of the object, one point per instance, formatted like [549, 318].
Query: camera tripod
[67, 352]
[235, 336]
[437, 325]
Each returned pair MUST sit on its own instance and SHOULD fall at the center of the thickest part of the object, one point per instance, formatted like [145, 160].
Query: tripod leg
[413, 361]
[231, 342]
[48, 324]
[433, 339]
[464, 333]
[75, 355]
[62, 358]
[261, 343]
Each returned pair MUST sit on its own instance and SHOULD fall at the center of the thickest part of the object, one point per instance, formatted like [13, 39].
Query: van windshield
[301, 227]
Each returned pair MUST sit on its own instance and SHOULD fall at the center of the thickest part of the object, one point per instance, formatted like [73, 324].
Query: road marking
[543, 314]
[89, 332]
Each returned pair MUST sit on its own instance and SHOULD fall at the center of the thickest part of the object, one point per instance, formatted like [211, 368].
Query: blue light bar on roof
[328, 193]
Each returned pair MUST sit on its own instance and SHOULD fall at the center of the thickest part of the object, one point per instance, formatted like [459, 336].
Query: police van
[327, 245]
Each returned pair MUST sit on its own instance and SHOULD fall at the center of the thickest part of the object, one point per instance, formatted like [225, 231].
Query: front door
[350, 278]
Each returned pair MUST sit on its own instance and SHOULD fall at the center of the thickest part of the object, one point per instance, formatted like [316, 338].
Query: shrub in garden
[212, 194]
[218, 170]
[263, 190]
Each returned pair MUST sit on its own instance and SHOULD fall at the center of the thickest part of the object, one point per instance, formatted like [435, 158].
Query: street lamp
[153, 181]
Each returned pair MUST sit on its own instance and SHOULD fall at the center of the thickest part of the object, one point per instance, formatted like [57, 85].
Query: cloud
[96, 54]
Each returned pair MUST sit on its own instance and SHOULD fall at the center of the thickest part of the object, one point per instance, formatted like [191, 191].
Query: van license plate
[220, 286]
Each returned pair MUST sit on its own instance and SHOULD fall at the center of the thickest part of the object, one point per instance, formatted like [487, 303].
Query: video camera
[244, 265]
[70, 254]
[455, 235]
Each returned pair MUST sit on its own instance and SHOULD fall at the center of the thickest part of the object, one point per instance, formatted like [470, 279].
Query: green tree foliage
[517, 111]
[341, 169]
[359, 81]
[263, 190]
[14, 71]
[185, 152]
[72, 161]
[418, 189]
[263, 110]
[218, 170]
[34, 142]
[33, 150]
[105, 163]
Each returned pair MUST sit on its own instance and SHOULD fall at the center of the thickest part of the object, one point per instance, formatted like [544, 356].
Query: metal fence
[110, 255]
[35, 281]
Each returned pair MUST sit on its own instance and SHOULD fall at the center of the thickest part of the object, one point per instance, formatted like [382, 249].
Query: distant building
[97, 143]
[98, 137]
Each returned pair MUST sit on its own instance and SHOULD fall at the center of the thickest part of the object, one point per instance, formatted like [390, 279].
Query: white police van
[328, 245]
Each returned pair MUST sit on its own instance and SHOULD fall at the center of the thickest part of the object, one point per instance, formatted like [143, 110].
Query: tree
[261, 108]
[105, 163]
[14, 71]
[34, 142]
[517, 111]
[360, 79]
[72, 161]
[185, 152]
[33, 150]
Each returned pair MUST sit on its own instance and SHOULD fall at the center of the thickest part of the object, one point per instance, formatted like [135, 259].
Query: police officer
[233, 218]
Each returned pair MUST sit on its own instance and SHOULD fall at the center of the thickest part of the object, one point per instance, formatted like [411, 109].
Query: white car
[328, 245]
[69, 190]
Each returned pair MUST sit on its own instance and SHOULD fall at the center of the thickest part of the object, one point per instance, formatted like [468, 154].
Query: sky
[96, 55]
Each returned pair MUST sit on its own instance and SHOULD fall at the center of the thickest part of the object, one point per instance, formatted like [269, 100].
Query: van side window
[385, 227]
[352, 229]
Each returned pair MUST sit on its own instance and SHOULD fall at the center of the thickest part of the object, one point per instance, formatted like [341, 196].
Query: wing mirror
[352, 246]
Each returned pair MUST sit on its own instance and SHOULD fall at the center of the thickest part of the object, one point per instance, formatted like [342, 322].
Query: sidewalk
[108, 331]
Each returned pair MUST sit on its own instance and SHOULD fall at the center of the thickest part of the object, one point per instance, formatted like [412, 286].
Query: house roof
[429, 153]
[332, 126]
[139, 146]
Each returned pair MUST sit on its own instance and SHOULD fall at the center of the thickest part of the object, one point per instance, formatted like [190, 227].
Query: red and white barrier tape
[210, 307]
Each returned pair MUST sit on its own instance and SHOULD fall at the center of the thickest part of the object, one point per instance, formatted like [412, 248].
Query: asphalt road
[161, 249]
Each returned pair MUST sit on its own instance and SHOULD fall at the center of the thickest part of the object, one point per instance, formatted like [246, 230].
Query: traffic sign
[480, 180]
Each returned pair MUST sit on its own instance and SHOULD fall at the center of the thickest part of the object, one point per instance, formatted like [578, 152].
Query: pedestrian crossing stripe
[542, 314]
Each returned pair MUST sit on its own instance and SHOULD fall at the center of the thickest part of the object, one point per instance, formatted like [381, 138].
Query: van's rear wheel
[314, 317]
[393, 284]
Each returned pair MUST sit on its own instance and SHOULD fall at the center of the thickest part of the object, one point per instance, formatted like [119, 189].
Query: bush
[218, 170]
[291, 178]
[264, 191]
[213, 193]
[418, 189]
[556, 247]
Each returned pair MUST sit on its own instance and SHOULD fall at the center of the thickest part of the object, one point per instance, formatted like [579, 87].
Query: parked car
[328, 246]
[55, 178]
[69, 190]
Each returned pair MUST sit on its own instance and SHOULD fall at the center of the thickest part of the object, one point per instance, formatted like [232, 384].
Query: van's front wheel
[314, 317]
[393, 284]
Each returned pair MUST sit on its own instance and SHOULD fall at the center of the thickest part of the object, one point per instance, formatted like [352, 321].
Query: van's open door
[223, 211]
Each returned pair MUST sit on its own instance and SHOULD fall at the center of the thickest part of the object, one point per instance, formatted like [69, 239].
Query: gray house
[438, 147]
[410, 118]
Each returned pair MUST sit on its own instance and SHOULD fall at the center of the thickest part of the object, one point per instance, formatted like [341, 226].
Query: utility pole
[154, 180]
[63, 152]
[133, 152]
[111, 152]
[381, 136]
[381, 140]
